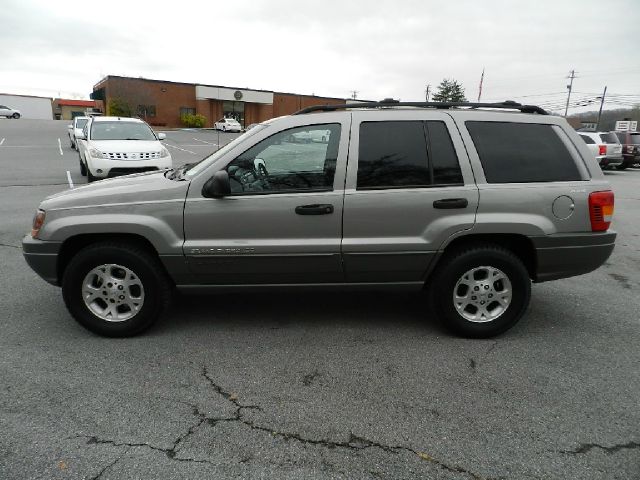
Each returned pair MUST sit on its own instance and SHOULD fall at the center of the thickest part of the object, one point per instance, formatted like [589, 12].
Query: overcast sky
[388, 49]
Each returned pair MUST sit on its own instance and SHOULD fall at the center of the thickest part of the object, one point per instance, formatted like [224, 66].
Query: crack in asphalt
[8, 245]
[586, 447]
[473, 364]
[101, 472]
[354, 442]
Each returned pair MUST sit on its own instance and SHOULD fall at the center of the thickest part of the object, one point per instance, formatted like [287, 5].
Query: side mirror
[81, 136]
[217, 186]
[162, 136]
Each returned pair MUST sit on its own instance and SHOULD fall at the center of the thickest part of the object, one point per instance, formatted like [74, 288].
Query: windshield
[194, 169]
[81, 122]
[121, 131]
[634, 138]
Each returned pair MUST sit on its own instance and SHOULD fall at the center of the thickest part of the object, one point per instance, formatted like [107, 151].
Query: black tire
[15, 116]
[83, 168]
[622, 166]
[454, 265]
[156, 287]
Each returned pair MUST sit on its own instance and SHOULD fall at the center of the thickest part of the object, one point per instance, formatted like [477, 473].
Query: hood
[126, 146]
[133, 189]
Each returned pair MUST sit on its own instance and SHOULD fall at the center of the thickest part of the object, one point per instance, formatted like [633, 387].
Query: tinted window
[634, 138]
[446, 169]
[587, 140]
[522, 152]
[298, 159]
[406, 154]
[609, 137]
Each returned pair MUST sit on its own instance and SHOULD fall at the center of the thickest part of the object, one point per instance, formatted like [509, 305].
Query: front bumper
[102, 168]
[42, 257]
[568, 255]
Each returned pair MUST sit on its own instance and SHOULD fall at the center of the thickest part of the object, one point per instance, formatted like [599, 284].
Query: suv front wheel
[116, 289]
[480, 291]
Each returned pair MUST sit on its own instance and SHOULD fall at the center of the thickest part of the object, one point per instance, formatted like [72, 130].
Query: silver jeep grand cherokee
[470, 202]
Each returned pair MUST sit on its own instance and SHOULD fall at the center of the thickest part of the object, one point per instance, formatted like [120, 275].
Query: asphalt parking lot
[311, 386]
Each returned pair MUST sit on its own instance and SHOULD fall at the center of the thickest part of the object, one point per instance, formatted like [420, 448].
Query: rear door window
[522, 152]
[406, 154]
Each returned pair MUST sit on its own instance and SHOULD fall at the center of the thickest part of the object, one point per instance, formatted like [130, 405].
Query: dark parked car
[630, 149]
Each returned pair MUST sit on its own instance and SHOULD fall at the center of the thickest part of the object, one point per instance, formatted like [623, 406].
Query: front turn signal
[38, 221]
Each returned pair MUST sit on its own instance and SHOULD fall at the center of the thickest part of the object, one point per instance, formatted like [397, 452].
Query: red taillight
[602, 149]
[601, 210]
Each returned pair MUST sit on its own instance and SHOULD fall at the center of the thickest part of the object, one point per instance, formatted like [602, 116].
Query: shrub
[193, 121]
[118, 108]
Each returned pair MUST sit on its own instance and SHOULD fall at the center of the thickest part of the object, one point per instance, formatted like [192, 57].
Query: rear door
[409, 187]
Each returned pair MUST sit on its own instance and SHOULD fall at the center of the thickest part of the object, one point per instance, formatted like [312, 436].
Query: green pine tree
[449, 90]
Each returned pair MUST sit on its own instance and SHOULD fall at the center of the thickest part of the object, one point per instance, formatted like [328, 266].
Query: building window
[145, 111]
[187, 111]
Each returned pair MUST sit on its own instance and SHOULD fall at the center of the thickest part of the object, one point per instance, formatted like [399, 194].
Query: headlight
[164, 153]
[96, 153]
[38, 221]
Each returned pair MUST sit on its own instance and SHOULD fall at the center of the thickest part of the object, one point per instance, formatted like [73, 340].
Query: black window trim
[425, 127]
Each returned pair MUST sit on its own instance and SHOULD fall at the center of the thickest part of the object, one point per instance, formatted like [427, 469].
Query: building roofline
[28, 96]
[216, 86]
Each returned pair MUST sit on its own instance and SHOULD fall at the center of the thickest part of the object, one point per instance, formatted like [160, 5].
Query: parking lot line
[184, 150]
[204, 141]
[60, 147]
[1, 141]
[69, 179]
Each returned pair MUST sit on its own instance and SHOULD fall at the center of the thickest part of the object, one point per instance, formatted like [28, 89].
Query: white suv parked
[113, 146]
[605, 146]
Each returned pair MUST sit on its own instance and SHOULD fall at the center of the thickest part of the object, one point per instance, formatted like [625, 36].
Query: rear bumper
[42, 257]
[610, 161]
[568, 255]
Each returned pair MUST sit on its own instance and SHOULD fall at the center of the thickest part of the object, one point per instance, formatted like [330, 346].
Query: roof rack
[389, 102]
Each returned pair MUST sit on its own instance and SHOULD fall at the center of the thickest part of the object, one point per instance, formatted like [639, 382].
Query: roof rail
[389, 102]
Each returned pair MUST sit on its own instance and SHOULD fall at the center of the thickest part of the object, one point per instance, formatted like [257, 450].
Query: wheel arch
[74, 244]
[520, 245]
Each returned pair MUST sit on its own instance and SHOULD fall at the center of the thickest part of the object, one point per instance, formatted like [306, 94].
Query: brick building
[67, 109]
[161, 103]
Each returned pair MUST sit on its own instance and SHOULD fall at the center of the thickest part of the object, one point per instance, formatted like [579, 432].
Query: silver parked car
[469, 204]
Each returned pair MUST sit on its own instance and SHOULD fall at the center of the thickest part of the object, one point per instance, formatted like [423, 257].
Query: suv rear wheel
[116, 289]
[480, 291]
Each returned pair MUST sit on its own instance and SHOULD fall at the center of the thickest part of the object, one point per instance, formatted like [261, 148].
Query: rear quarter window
[587, 140]
[522, 152]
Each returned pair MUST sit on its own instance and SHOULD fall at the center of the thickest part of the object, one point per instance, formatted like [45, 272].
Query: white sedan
[9, 112]
[228, 125]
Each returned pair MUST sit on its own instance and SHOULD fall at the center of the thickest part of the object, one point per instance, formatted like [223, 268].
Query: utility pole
[572, 75]
[480, 86]
[428, 91]
[354, 94]
[600, 111]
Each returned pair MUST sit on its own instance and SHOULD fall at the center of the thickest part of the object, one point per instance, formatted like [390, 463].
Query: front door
[282, 223]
